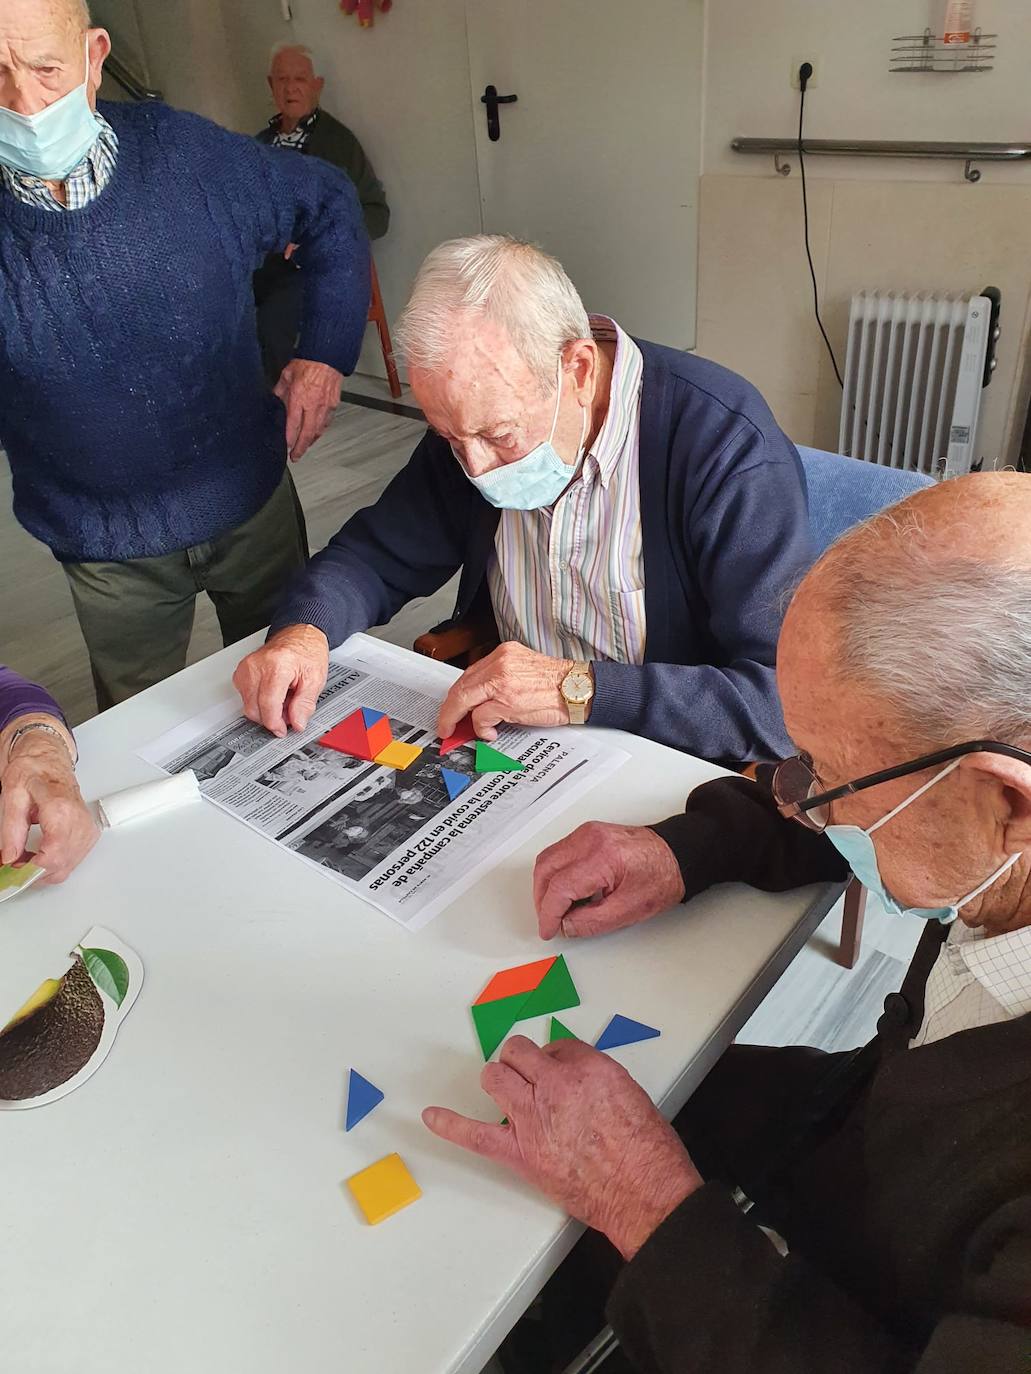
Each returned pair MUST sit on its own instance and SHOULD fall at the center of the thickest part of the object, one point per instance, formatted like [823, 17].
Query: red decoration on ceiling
[366, 9]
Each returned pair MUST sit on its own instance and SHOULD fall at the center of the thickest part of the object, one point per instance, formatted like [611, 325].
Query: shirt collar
[1000, 963]
[624, 399]
[303, 125]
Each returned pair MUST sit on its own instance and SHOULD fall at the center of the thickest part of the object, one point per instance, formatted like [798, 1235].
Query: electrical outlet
[796, 62]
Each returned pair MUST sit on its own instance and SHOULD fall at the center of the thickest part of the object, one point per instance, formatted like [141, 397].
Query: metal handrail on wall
[968, 153]
[131, 85]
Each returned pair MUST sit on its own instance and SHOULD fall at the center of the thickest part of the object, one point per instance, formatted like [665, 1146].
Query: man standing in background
[145, 449]
[301, 124]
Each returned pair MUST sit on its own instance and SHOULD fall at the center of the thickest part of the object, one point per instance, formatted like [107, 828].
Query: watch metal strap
[39, 725]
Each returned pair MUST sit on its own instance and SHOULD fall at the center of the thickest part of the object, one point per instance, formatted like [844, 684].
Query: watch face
[578, 687]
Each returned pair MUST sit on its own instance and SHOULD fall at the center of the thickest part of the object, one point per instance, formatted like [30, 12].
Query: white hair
[298, 48]
[945, 641]
[514, 284]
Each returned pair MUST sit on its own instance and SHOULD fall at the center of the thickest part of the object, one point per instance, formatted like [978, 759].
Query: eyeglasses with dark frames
[797, 788]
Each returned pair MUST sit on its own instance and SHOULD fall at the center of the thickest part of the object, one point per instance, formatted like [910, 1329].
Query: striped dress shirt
[568, 581]
[82, 184]
[976, 981]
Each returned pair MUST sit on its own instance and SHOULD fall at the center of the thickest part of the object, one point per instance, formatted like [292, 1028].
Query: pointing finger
[480, 1137]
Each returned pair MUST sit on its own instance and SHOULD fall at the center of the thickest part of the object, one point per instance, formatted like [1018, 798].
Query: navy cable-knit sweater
[132, 402]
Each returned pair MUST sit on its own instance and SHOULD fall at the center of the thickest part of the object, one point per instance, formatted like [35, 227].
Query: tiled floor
[816, 1001]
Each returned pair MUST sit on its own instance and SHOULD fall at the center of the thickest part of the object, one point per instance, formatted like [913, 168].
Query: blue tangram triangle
[362, 1097]
[454, 782]
[370, 717]
[622, 1031]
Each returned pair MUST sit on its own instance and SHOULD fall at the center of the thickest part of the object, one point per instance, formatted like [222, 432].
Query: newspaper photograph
[393, 836]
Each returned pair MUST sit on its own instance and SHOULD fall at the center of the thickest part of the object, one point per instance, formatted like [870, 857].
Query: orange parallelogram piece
[511, 981]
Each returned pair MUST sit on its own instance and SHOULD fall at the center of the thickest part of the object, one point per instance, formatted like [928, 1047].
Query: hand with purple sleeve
[37, 781]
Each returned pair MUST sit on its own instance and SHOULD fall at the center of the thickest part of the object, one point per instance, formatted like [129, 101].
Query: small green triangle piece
[560, 1032]
[493, 1020]
[555, 992]
[490, 760]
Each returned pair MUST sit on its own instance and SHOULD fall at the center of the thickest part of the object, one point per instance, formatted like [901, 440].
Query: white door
[599, 157]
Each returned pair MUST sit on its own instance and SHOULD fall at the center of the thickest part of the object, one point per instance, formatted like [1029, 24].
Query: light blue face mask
[535, 481]
[54, 141]
[857, 848]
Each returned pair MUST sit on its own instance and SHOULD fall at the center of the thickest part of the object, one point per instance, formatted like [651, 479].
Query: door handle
[492, 100]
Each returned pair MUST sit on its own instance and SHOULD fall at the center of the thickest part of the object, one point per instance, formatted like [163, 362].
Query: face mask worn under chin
[857, 848]
[535, 481]
[53, 142]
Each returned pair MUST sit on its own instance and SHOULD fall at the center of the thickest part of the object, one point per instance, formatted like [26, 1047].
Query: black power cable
[804, 73]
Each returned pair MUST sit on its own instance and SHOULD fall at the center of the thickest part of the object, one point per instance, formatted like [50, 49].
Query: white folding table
[183, 1211]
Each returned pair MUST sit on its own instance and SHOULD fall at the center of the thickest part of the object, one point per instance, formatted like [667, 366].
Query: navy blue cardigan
[725, 533]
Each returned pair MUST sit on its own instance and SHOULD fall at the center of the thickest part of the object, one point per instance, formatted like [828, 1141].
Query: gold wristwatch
[577, 691]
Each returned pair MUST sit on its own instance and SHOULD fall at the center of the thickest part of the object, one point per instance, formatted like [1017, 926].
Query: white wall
[898, 225]
[403, 87]
[753, 45]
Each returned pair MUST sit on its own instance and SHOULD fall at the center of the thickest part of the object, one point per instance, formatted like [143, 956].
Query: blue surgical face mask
[857, 848]
[535, 481]
[53, 142]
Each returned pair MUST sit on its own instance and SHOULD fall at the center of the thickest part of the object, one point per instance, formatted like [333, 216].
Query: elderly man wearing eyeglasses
[895, 1179]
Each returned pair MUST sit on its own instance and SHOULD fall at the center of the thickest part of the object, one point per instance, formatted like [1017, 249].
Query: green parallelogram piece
[560, 1032]
[490, 760]
[555, 992]
[493, 1020]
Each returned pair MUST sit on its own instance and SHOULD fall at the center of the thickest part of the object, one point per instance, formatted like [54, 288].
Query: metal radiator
[914, 372]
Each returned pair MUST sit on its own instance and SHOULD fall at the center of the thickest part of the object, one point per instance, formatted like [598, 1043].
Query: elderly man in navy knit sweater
[146, 450]
[631, 515]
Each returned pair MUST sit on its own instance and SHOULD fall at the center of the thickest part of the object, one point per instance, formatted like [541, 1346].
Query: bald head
[44, 53]
[925, 613]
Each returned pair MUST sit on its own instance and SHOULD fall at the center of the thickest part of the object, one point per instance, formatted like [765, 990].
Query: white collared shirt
[977, 980]
[569, 580]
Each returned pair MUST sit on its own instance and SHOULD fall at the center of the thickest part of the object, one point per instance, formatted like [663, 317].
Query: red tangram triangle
[464, 732]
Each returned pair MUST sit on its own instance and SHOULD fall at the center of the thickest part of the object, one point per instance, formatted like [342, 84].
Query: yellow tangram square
[384, 1188]
[398, 755]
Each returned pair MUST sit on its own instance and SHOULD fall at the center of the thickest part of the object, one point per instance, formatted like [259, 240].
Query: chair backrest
[844, 491]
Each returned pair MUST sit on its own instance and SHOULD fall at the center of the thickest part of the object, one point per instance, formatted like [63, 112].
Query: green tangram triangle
[490, 760]
[560, 1032]
[493, 1020]
[555, 992]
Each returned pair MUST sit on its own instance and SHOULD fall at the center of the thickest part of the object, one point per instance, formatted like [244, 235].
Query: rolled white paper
[149, 799]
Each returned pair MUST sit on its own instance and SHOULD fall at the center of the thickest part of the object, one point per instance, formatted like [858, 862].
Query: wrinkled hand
[38, 787]
[512, 684]
[582, 1131]
[279, 684]
[311, 392]
[603, 877]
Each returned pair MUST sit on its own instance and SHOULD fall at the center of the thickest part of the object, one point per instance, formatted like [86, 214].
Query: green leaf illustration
[109, 971]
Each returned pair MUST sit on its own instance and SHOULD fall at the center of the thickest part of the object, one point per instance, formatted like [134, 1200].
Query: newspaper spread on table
[393, 837]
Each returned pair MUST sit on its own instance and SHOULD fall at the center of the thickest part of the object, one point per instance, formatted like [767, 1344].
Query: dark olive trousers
[137, 617]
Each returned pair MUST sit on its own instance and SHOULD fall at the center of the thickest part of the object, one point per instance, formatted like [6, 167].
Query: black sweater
[910, 1226]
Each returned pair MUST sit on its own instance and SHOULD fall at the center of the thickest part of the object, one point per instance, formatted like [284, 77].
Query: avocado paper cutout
[64, 1032]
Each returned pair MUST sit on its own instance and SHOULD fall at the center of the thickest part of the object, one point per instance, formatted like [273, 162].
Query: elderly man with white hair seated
[897, 1177]
[631, 515]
